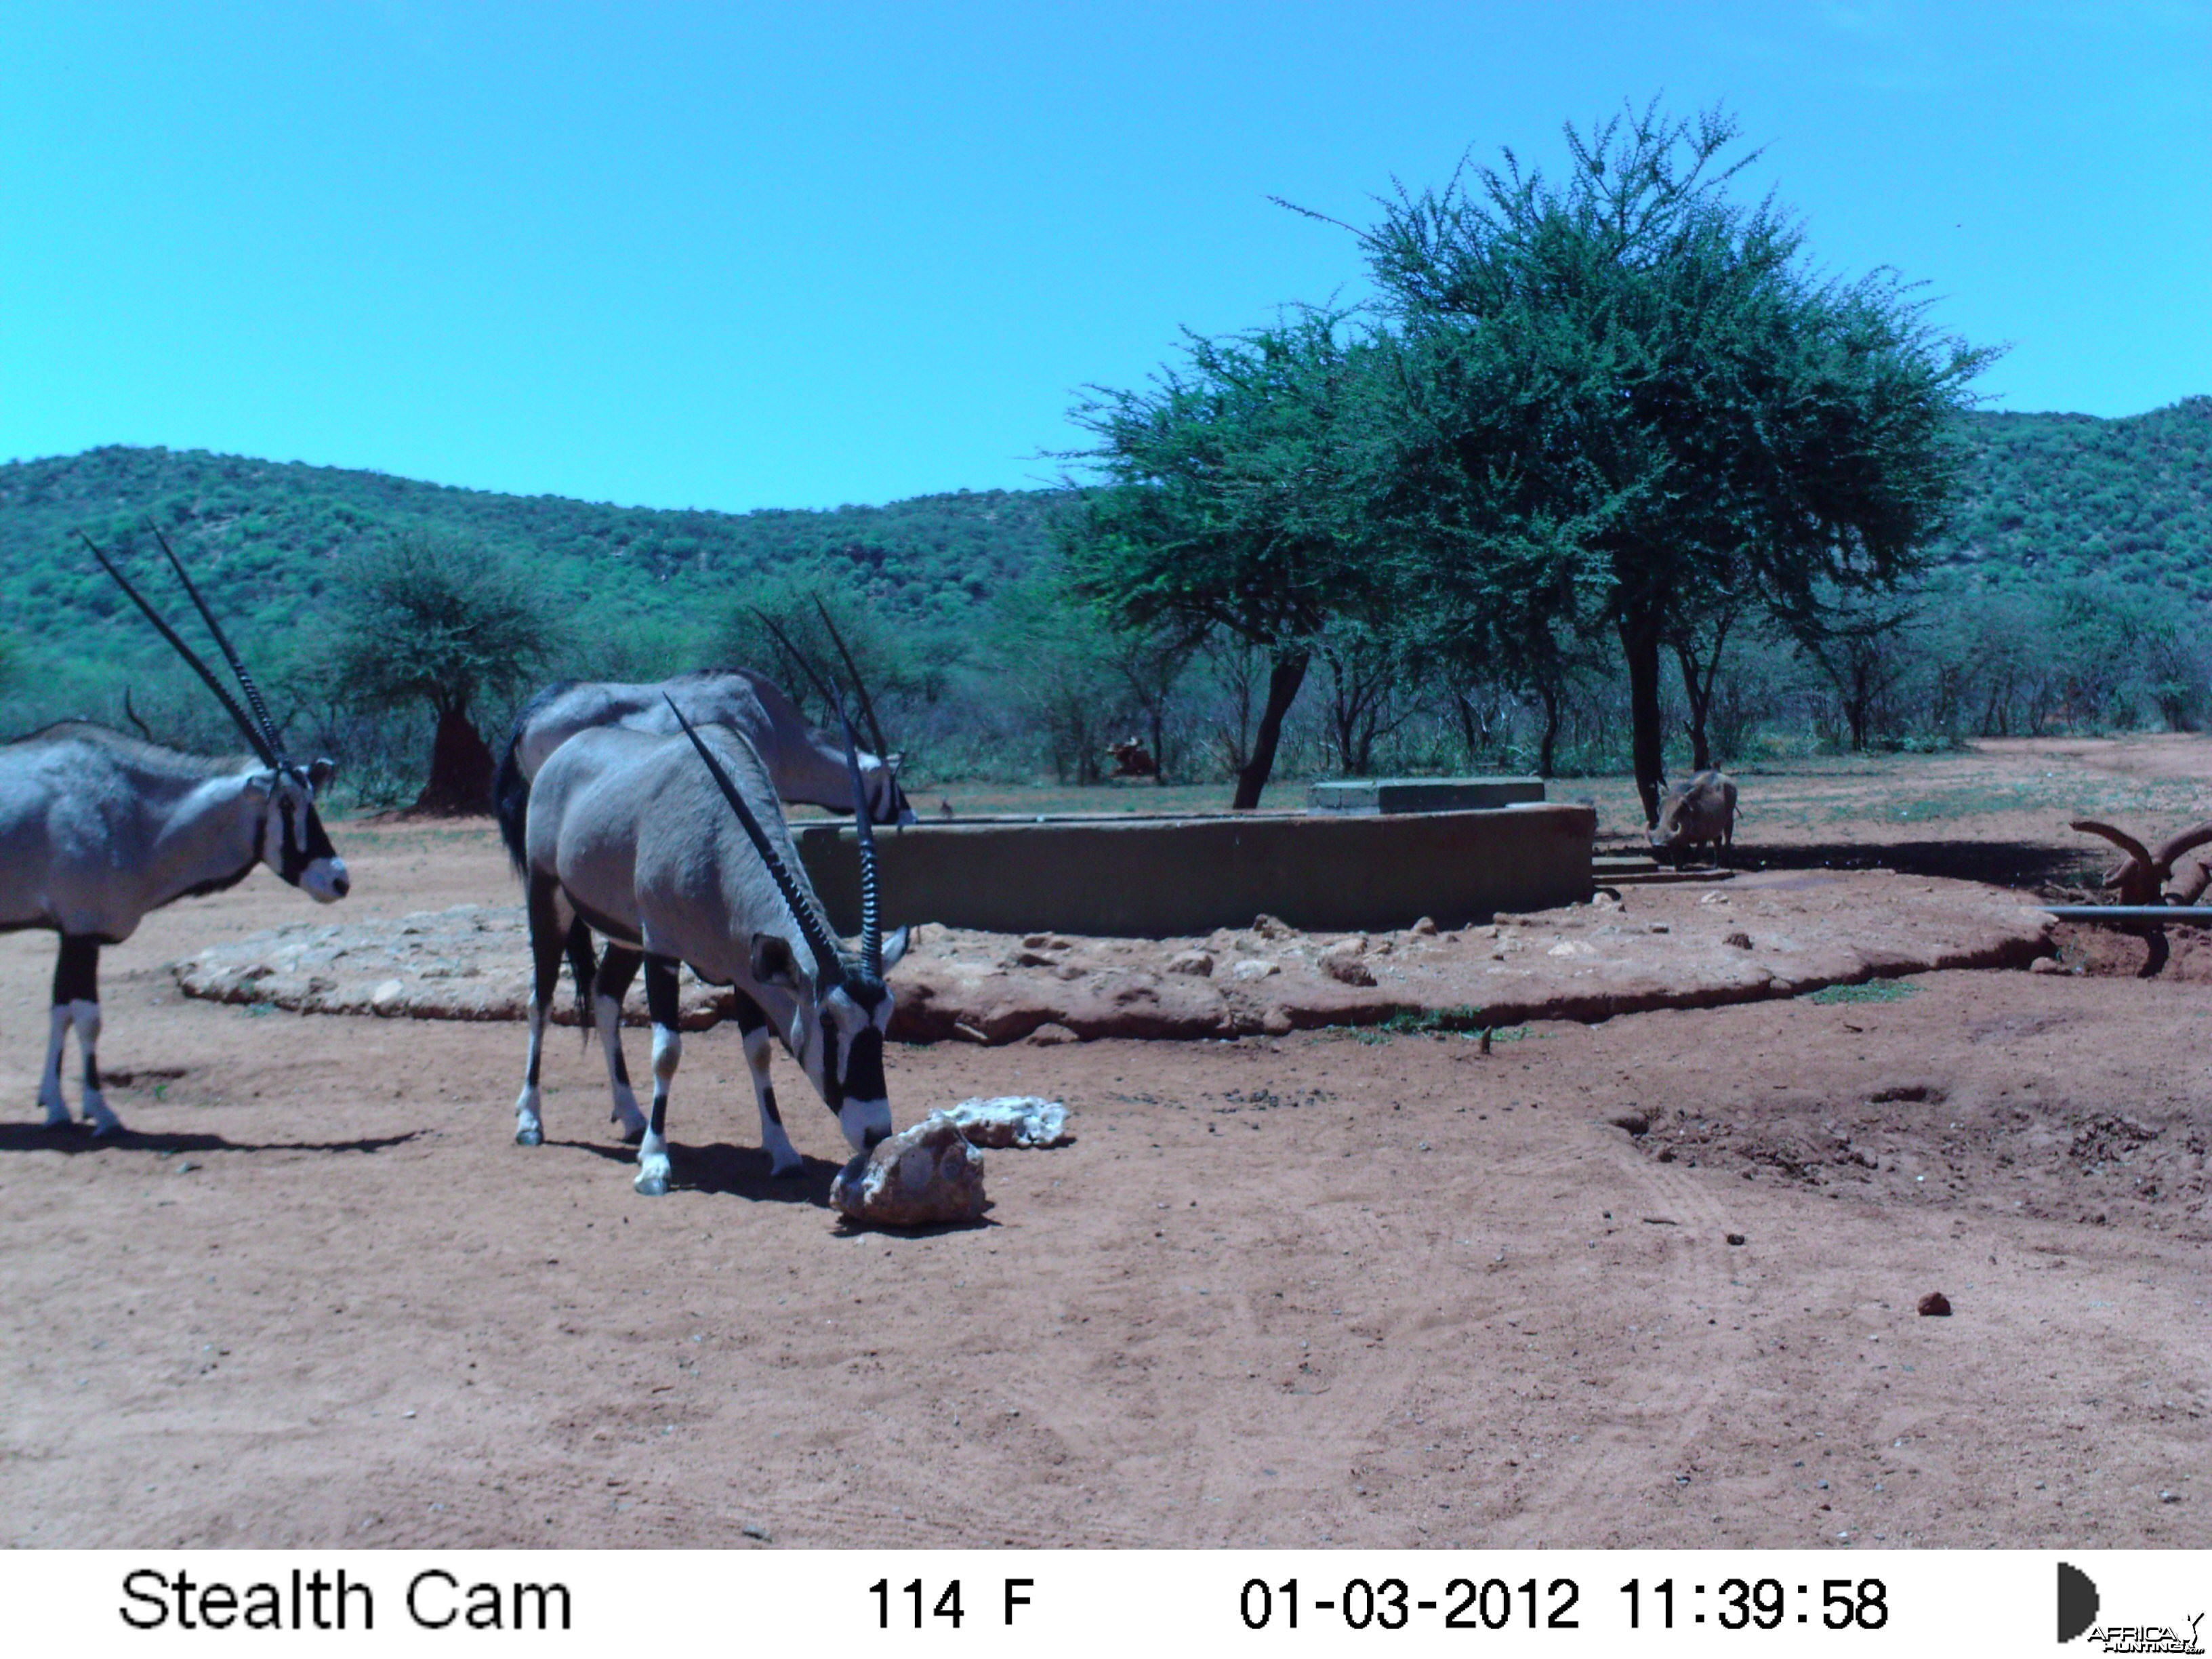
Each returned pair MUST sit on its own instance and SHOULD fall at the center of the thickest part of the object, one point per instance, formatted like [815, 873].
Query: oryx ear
[321, 772]
[771, 963]
[895, 947]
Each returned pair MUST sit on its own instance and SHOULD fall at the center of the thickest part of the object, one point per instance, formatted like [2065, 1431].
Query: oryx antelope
[676, 862]
[803, 767]
[96, 829]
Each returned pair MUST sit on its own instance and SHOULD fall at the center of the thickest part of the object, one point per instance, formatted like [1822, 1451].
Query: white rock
[1012, 1120]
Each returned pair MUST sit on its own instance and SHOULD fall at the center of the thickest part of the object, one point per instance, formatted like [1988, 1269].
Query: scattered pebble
[1936, 1305]
[1736, 1238]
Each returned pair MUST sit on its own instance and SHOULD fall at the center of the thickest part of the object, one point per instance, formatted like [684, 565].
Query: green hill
[261, 537]
[2053, 497]
[2047, 499]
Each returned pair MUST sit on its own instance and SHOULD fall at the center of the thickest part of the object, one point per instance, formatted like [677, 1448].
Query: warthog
[1696, 812]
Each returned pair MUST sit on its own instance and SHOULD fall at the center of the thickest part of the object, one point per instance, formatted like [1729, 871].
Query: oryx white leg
[660, 997]
[652, 1150]
[76, 1002]
[85, 1016]
[609, 988]
[529, 1125]
[50, 1079]
[783, 1158]
[549, 937]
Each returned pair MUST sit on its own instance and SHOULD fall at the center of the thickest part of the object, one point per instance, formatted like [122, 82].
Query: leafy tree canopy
[438, 620]
[1235, 500]
[1635, 380]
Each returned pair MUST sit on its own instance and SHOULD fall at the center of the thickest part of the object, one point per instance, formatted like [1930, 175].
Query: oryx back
[634, 830]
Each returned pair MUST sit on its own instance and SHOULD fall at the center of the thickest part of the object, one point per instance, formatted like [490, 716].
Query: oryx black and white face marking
[291, 838]
[835, 1032]
[845, 1059]
[888, 803]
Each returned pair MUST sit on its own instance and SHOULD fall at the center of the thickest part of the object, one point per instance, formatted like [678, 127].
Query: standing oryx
[801, 766]
[96, 829]
[627, 834]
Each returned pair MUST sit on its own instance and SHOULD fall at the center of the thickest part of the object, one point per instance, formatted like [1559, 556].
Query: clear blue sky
[739, 256]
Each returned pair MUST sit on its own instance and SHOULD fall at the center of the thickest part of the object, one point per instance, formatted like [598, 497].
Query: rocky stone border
[1776, 934]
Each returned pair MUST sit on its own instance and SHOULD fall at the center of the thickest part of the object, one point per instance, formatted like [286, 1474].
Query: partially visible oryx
[96, 829]
[801, 766]
[628, 834]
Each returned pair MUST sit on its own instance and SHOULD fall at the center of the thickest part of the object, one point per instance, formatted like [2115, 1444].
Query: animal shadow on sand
[76, 1139]
[722, 1168]
[1999, 863]
[743, 1172]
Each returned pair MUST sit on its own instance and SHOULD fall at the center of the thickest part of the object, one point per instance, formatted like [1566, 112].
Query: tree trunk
[1552, 700]
[1284, 680]
[1466, 708]
[1639, 642]
[460, 769]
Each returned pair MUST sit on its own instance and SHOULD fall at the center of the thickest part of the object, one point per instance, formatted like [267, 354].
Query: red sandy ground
[1290, 1291]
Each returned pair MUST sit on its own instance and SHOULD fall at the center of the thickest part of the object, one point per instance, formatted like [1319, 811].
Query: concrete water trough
[1168, 878]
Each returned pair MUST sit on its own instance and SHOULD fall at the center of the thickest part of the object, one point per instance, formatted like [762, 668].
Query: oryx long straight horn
[859, 685]
[818, 938]
[262, 745]
[872, 925]
[805, 663]
[223, 644]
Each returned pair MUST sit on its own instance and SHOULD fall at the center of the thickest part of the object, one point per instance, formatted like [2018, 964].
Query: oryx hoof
[102, 1128]
[633, 1133]
[529, 1134]
[652, 1182]
[784, 1169]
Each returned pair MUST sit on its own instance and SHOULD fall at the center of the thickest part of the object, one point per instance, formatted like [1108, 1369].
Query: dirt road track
[1305, 1290]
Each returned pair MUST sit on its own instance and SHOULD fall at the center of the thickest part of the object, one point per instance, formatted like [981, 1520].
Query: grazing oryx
[627, 835]
[96, 829]
[802, 767]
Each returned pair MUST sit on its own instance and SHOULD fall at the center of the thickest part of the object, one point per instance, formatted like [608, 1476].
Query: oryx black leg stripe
[750, 1020]
[661, 999]
[617, 968]
[583, 965]
[76, 970]
[663, 1003]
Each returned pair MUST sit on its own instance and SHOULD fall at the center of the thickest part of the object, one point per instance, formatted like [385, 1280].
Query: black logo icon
[2077, 1600]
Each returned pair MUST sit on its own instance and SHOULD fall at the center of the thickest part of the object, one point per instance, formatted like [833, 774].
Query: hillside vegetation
[2060, 497]
[2056, 510]
[263, 539]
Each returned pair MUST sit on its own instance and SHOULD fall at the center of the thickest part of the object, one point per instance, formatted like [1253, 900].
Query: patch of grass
[1464, 1022]
[1873, 990]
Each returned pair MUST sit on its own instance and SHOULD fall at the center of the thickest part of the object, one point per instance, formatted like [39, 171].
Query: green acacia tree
[442, 622]
[1235, 502]
[1626, 396]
